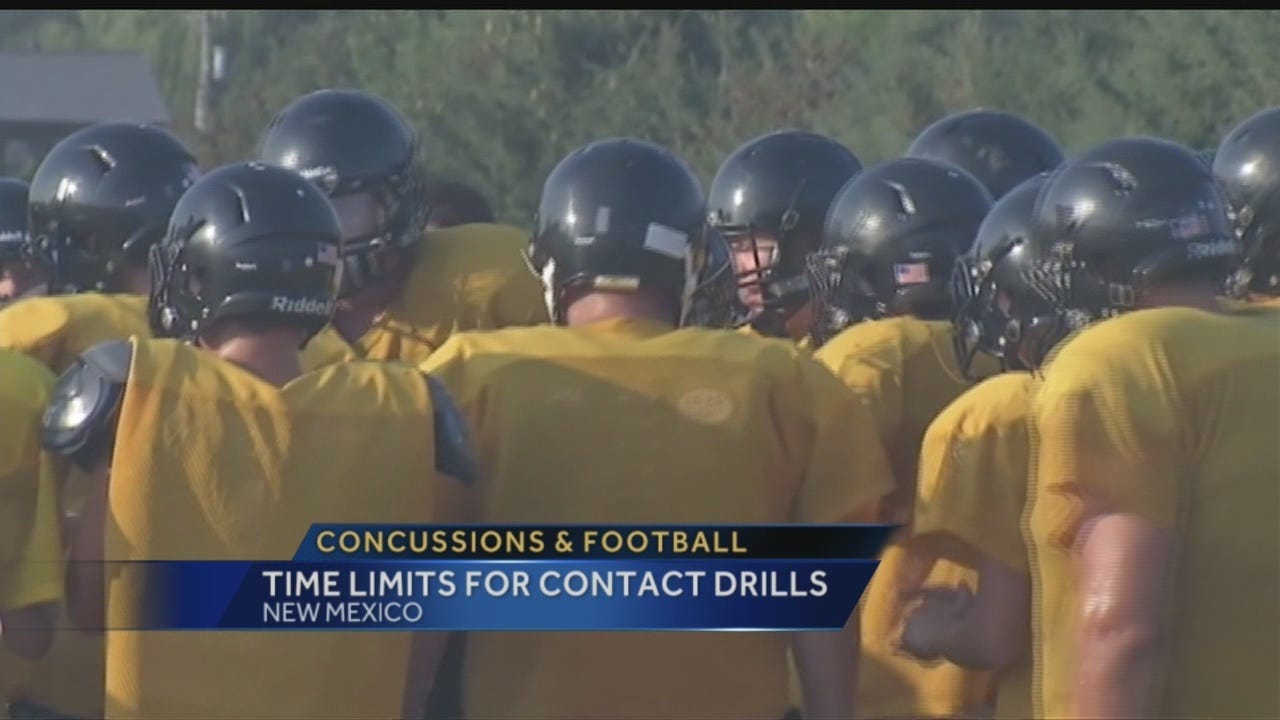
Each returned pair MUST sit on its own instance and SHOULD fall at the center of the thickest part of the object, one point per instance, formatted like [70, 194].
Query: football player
[451, 203]
[18, 275]
[687, 425]
[972, 481]
[97, 202]
[247, 272]
[1154, 466]
[769, 199]
[1000, 149]
[30, 544]
[882, 323]
[402, 295]
[1248, 166]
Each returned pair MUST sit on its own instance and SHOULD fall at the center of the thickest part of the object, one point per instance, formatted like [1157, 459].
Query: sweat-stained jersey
[31, 568]
[1171, 414]
[972, 489]
[906, 369]
[466, 277]
[628, 421]
[213, 463]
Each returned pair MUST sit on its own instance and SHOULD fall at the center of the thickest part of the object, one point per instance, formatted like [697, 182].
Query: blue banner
[765, 578]
[504, 595]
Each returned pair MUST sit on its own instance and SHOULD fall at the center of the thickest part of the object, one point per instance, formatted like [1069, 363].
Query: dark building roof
[79, 88]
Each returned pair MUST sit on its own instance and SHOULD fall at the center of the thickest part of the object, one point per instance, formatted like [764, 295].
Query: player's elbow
[1118, 634]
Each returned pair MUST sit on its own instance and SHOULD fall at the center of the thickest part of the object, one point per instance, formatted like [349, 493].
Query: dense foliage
[501, 95]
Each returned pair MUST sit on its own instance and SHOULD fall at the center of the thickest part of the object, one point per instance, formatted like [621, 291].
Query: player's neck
[598, 307]
[135, 281]
[274, 357]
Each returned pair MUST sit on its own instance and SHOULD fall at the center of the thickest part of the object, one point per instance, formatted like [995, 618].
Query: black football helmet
[619, 215]
[778, 185]
[1000, 149]
[363, 153]
[100, 199]
[13, 220]
[988, 287]
[248, 240]
[1126, 215]
[715, 296]
[890, 242]
[1248, 166]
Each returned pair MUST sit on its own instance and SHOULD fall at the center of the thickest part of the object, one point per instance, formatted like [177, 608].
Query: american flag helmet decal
[328, 254]
[1189, 226]
[911, 273]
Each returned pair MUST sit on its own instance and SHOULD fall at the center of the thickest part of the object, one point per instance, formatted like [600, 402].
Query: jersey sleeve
[34, 328]
[973, 476]
[1109, 434]
[863, 373]
[846, 468]
[30, 538]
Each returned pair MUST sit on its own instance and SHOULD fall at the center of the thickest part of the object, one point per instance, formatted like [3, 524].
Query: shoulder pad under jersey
[453, 441]
[80, 421]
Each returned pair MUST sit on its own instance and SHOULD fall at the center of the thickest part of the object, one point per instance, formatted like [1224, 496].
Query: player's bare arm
[1124, 564]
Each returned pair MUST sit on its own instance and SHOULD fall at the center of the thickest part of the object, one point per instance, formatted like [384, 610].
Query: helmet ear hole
[195, 283]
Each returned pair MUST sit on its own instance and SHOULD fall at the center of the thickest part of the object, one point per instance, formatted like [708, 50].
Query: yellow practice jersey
[466, 277]
[31, 569]
[971, 491]
[906, 369]
[212, 463]
[1172, 415]
[56, 329]
[628, 421]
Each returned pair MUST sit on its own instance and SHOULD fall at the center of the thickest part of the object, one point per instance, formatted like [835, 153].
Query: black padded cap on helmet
[1247, 164]
[349, 142]
[13, 220]
[890, 242]
[989, 286]
[101, 198]
[999, 148]
[779, 185]
[619, 215]
[246, 241]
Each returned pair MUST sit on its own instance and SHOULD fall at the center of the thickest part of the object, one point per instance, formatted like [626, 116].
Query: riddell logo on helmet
[301, 306]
